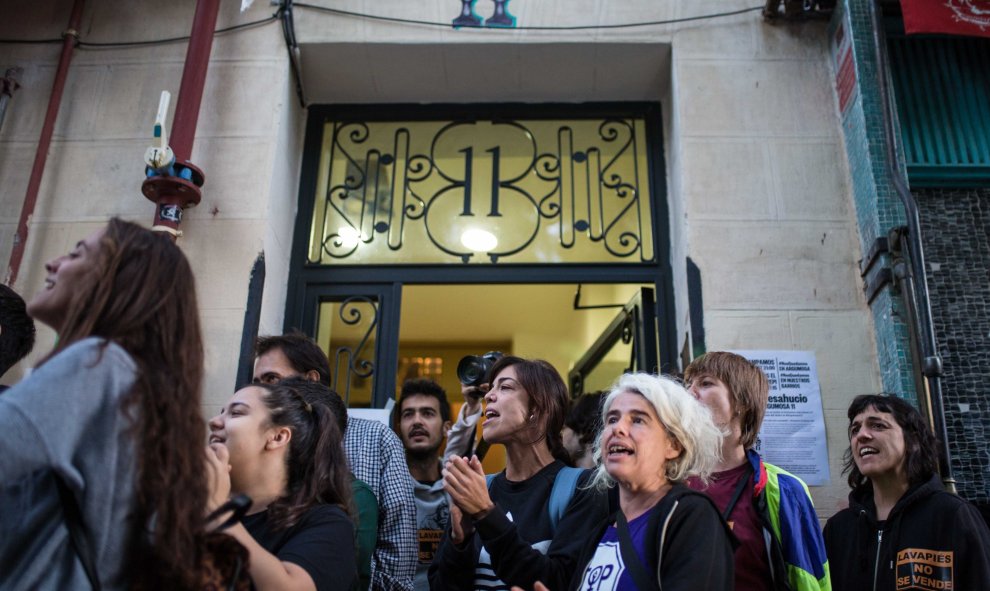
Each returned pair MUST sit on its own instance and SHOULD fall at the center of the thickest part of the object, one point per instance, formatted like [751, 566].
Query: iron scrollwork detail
[489, 176]
[355, 361]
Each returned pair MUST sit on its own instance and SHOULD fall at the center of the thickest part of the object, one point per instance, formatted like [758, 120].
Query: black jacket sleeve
[519, 564]
[697, 553]
[972, 548]
[452, 567]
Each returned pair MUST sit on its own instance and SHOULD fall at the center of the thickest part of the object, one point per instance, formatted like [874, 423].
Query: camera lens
[471, 370]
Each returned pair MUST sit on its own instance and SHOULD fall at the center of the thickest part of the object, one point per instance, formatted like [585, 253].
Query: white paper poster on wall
[793, 432]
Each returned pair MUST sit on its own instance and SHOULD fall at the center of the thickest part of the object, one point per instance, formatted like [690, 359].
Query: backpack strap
[637, 571]
[560, 495]
[742, 485]
[562, 492]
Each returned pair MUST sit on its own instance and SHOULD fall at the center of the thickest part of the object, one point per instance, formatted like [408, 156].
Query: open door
[629, 343]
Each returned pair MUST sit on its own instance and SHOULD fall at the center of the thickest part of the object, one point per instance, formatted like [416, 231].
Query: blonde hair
[685, 419]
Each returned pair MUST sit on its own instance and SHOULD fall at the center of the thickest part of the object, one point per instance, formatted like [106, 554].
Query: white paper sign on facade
[793, 432]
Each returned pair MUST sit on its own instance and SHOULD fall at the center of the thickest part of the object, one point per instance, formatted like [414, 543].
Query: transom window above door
[475, 190]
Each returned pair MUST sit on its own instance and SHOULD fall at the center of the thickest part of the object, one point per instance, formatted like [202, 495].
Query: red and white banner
[953, 17]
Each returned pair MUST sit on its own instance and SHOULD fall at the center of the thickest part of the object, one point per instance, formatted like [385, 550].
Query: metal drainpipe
[8, 84]
[931, 365]
[69, 39]
[172, 194]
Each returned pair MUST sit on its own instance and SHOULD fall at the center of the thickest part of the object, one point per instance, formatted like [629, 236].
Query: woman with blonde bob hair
[664, 535]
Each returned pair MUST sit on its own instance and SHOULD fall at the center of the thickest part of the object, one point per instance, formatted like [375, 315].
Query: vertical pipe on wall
[920, 301]
[69, 39]
[175, 192]
[193, 79]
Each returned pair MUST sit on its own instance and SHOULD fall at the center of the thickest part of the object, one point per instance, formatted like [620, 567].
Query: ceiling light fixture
[479, 240]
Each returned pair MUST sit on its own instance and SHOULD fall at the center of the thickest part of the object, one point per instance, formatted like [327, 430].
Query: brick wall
[956, 236]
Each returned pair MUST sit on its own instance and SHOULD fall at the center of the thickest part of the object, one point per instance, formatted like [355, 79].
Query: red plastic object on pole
[69, 38]
[172, 194]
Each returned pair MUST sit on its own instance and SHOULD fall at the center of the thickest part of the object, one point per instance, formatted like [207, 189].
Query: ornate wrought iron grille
[483, 191]
[348, 327]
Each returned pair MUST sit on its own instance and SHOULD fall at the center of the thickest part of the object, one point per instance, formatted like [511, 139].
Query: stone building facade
[773, 192]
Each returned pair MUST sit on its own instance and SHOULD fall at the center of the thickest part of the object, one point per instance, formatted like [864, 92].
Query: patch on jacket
[926, 570]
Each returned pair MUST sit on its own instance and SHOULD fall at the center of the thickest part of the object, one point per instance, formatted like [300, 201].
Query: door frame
[637, 322]
[306, 279]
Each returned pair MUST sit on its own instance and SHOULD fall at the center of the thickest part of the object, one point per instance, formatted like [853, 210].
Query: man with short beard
[421, 419]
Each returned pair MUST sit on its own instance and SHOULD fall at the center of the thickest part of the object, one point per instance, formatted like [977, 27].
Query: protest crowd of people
[111, 479]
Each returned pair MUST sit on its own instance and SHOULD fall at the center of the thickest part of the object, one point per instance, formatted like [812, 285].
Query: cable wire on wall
[448, 25]
[285, 12]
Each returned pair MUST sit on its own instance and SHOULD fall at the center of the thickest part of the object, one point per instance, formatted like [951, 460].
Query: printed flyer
[793, 432]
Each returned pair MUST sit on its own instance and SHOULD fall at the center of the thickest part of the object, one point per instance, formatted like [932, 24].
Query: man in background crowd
[421, 418]
[581, 427]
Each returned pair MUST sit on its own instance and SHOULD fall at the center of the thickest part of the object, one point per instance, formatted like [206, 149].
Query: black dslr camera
[472, 369]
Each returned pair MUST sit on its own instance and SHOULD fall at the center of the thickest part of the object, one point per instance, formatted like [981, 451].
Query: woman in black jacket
[902, 530]
[664, 535]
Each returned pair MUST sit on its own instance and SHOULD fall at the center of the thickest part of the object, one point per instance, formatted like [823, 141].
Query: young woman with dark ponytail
[101, 460]
[280, 445]
[524, 411]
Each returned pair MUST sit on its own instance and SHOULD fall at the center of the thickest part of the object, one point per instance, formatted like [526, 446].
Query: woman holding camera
[525, 408]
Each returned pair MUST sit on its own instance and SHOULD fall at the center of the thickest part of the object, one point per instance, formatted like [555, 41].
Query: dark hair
[16, 329]
[547, 397]
[423, 387]
[920, 445]
[317, 392]
[301, 351]
[316, 464]
[142, 296]
[585, 416]
[748, 386]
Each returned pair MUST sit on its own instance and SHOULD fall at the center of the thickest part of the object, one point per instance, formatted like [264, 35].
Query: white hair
[685, 419]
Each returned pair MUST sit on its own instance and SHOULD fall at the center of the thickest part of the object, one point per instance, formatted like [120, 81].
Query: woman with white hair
[664, 536]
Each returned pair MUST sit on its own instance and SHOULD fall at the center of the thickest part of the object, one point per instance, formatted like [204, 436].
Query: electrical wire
[98, 45]
[284, 14]
[289, 34]
[392, 19]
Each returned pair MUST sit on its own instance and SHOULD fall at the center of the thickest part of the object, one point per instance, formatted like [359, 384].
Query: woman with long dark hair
[525, 409]
[101, 465]
[280, 445]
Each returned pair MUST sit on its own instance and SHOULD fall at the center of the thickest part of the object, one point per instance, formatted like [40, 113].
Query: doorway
[590, 333]
[594, 329]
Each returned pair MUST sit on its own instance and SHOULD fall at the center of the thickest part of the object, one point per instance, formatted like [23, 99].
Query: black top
[321, 542]
[689, 545]
[501, 554]
[930, 540]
